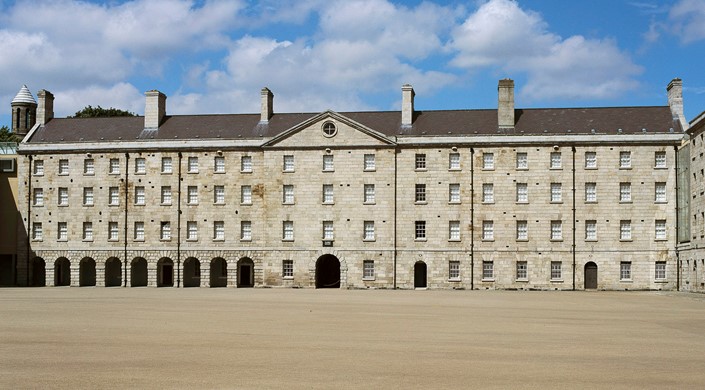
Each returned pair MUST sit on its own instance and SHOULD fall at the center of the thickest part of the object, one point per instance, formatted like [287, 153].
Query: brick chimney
[155, 109]
[45, 109]
[267, 105]
[505, 107]
[407, 105]
[675, 101]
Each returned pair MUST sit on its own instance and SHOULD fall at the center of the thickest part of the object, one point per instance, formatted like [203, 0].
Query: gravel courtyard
[285, 338]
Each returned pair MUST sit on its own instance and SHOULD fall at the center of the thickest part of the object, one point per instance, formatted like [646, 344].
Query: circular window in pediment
[329, 129]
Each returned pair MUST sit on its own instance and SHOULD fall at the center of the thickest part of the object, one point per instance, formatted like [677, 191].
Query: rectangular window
[369, 160]
[522, 160]
[63, 167]
[88, 231]
[590, 230]
[420, 230]
[192, 193]
[369, 193]
[625, 192]
[39, 167]
[660, 192]
[488, 230]
[487, 160]
[556, 270]
[487, 193]
[246, 164]
[192, 165]
[166, 195]
[454, 230]
[37, 233]
[165, 231]
[140, 165]
[288, 165]
[625, 230]
[522, 193]
[328, 163]
[556, 160]
[420, 193]
[139, 231]
[625, 159]
[487, 270]
[219, 230]
[454, 193]
[522, 230]
[368, 231]
[454, 161]
[328, 194]
[62, 231]
[288, 269]
[660, 270]
[139, 195]
[114, 166]
[420, 161]
[590, 192]
[625, 270]
[327, 230]
[591, 160]
[288, 197]
[192, 230]
[88, 166]
[166, 165]
[454, 270]
[219, 194]
[522, 268]
[556, 192]
[114, 196]
[219, 164]
[246, 195]
[63, 196]
[660, 229]
[660, 160]
[246, 230]
[113, 231]
[368, 269]
[556, 230]
[288, 230]
[88, 196]
[38, 197]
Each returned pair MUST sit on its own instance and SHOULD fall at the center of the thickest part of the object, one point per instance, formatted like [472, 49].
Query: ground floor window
[487, 270]
[625, 270]
[368, 269]
[288, 268]
[660, 270]
[556, 270]
[454, 270]
[522, 270]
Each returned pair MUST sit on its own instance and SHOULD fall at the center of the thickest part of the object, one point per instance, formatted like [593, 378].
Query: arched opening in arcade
[327, 272]
[165, 272]
[590, 276]
[39, 272]
[420, 275]
[86, 272]
[138, 272]
[113, 272]
[245, 273]
[62, 272]
[192, 272]
[219, 272]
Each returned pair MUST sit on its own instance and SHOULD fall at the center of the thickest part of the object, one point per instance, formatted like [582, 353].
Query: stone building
[557, 198]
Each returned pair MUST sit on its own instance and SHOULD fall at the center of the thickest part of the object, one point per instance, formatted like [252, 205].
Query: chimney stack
[407, 105]
[505, 107]
[675, 101]
[45, 109]
[267, 105]
[155, 109]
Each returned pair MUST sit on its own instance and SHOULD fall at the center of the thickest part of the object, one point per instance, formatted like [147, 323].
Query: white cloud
[687, 18]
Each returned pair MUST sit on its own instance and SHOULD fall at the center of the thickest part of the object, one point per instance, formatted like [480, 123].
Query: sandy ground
[284, 338]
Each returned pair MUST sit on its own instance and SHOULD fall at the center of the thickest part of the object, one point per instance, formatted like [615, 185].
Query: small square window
[420, 161]
[488, 230]
[556, 270]
[487, 160]
[368, 269]
[522, 160]
[454, 270]
[369, 160]
[246, 164]
[625, 159]
[454, 161]
[63, 167]
[591, 160]
[140, 166]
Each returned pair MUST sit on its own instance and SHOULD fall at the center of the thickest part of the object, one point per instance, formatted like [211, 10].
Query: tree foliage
[100, 112]
[6, 135]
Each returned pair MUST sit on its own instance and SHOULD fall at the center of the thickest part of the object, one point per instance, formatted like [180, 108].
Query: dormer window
[329, 129]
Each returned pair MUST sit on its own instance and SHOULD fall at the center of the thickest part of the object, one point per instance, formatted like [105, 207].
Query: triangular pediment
[329, 129]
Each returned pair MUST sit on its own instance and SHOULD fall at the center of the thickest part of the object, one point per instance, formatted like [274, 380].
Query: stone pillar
[232, 275]
[205, 273]
[75, 273]
[151, 273]
[100, 274]
[49, 274]
[127, 274]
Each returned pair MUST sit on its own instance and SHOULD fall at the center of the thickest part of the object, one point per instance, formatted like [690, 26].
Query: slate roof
[548, 121]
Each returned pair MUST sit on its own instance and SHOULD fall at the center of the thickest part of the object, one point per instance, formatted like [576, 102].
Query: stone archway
[39, 272]
[62, 272]
[192, 272]
[245, 273]
[590, 275]
[165, 272]
[86, 272]
[113, 272]
[138, 272]
[219, 272]
[327, 272]
[420, 275]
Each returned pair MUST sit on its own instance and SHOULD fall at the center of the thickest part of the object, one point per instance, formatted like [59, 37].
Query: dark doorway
[590, 275]
[192, 272]
[86, 272]
[420, 274]
[39, 272]
[219, 272]
[245, 273]
[138, 272]
[7, 271]
[113, 272]
[62, 272]
[327, 272]
[165, 273]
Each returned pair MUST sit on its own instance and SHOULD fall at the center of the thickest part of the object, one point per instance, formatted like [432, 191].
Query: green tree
[100, 112]
[6, 135]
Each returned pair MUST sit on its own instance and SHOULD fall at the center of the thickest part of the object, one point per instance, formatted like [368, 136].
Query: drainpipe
[678, 260]
[572, 148]
[29, 218]
[124, 228]
[178, 229]
[472, 218]
[394, 282]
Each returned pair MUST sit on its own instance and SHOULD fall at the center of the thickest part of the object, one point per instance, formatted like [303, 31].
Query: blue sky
[215, 56]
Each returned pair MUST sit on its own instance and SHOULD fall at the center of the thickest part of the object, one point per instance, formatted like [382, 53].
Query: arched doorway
[7, 270]
[165, 272]
[86, 272]
[192, 272]
[62, 272]
[245, 272]
[138, 272]
[113, 272]
[420, 274]
[327, 272]
[219, 272]
[590, 275]
[39, 272]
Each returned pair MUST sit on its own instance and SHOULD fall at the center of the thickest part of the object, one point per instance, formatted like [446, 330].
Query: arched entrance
[86, 272]
[245, 272]
[62, 272]
[327, 272]
[420, 274]
[590, 275]
[138, 272]
[219, 272]
[113, 272]
[192, 272]
[7, 270]
[39, 272]
[165, 272]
